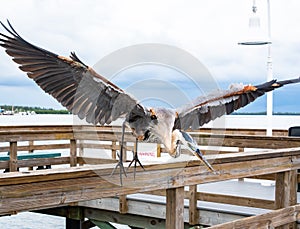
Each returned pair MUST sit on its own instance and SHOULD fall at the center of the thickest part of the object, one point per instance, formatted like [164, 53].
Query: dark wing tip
[273, 84]
[74, 57]
[10, 30]
[284, 82]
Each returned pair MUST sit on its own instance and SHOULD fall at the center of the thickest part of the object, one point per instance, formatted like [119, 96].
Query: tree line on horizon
[37, 110]
[43, 110]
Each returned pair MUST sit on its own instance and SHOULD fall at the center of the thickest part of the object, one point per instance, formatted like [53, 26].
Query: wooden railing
[76, 138]
[70, 185]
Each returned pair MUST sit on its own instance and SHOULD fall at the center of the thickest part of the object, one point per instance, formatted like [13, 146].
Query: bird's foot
[136, 160]
[122, 170]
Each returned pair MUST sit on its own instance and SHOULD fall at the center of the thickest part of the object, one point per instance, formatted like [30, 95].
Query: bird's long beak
[203, 159]
[193, 147]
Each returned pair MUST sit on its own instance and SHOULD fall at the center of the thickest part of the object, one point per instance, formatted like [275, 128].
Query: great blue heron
[92, 97]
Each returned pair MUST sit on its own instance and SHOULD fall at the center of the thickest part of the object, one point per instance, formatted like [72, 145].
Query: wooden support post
[193, 213]
[73, 224]
[175, 207]
[241, 149]
[113, 150]
[124, 151]
[81, 151]
[158, 150]
[73, 153]
[13, 162]
[285, 192]
[74, 218]
[123, 204]
[31, 145]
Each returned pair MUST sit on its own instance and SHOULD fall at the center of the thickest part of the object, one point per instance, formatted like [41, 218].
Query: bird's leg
[120, 163]
[135, 158]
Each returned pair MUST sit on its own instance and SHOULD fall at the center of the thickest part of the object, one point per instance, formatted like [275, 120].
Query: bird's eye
[153, 117]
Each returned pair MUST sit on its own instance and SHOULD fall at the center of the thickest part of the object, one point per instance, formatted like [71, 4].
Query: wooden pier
[177, 193]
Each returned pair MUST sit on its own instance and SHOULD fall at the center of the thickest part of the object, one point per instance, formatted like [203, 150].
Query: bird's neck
[173, 144]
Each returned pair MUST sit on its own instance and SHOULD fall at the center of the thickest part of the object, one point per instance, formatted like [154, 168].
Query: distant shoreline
[28, 110]
[43, 110]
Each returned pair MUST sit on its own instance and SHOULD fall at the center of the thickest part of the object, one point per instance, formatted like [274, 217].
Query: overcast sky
[207, 30]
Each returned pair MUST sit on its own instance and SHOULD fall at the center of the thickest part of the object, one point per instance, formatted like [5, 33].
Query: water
[29, 220]
[231, 121]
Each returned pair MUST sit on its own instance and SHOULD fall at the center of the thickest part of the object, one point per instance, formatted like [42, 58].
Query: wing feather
[219, 103]
[75, 85]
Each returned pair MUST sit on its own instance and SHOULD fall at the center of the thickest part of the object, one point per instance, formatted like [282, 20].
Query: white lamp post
[254, 24]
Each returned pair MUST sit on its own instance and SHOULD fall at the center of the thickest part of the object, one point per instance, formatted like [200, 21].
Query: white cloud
[209, 30]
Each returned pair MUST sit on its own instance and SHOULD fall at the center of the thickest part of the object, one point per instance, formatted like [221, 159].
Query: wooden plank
[37, 147]
[246, 141]
[285, 189]
[135, 221]
[174, 208]
[113, 150]
[124, 151]
[272, 219]
[95, 161]
[30, 144]
[4, 164]
[123, 205]
[80, 152]
[236, 200]
[58, 187]
[237, 168]
[286, 192]
[193, 212]
[151, 213]
[44, 161]
[158, 150]
[254, 155]
[106, 134]
[73, 153]
[244, 131]
[13, 162]
[221, 198]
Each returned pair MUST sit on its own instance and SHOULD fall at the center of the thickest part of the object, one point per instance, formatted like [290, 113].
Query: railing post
[123, 204]
[13, 162]
[81, 151]
[175, 208]
[124, 151]
[31, 146]
[73, 153]
[241, 149]
[114, 149]
[158, 150]
[286, 192]
[30, 150]
[193, 212]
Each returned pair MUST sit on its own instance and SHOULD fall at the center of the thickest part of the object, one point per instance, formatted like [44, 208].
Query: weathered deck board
[268, 220]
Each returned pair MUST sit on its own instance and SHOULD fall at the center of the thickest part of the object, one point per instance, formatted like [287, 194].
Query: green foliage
[37, 110]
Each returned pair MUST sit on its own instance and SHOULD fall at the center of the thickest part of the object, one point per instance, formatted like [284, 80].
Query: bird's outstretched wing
[218, 103]
[75, 85]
